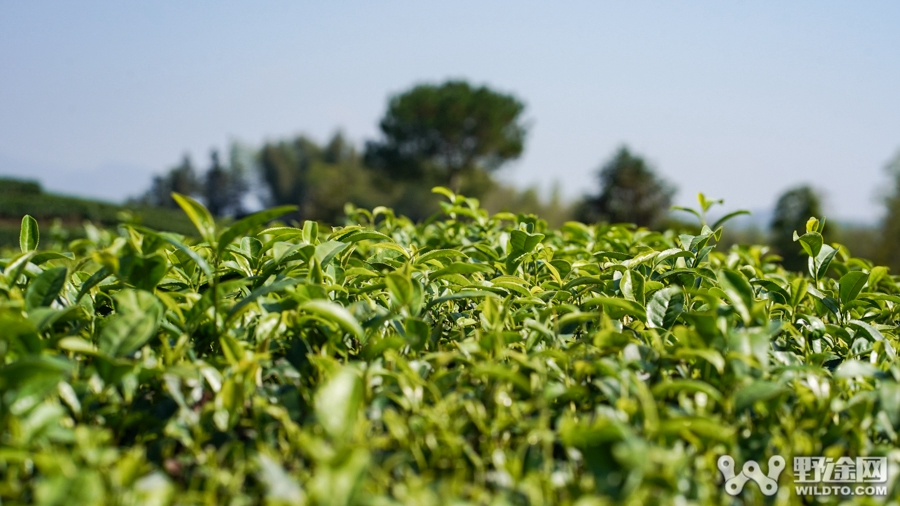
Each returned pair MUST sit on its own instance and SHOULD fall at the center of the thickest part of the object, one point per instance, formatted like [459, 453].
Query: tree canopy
[181, 179]
[889, 249]
[446, 132]
[630, 192]
[284, 167]
[224, 187]
[319, 179]
[794, 208]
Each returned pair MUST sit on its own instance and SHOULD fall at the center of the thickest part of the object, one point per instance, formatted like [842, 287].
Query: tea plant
[471, 359]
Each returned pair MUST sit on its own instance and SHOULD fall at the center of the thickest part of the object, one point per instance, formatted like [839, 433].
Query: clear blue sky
[739, 100]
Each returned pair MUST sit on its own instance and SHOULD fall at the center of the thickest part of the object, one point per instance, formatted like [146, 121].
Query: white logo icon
[734, 483]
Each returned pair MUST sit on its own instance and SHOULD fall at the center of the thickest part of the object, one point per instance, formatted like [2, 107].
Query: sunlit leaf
[29, 236]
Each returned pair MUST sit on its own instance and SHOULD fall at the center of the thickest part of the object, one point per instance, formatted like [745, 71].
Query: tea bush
[471, 359]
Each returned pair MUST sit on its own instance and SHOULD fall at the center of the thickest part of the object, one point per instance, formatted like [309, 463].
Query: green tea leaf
[664, 307]
[812, 243]
[281, 488]
[29, 236]
[629, 307]
[738, 291]
[401, 288]
[180, 246]
[143, 272]
[92, 281]
[523, 242]
[45, 288]
[46, 256]
[855, 368]
[851, 284]
[199, 216]
[326, 251]
[440, 253]
[721, 221]
[338, 401]
[134, 325]
[275, 287]
[632, 285]
[876, 275]
[757, 391]
[336, 314]
[33, 373]
[818, 267]
[245, 225]
[690, 386]
[464, 294]
[711, 356]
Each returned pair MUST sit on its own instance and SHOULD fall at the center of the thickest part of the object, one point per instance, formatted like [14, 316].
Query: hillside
[18, 198]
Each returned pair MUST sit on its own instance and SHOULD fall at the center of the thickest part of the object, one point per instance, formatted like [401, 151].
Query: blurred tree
[181, 179]
[320, 179]
[338, 176]
[339, 150]
[889, 247]
[792, 211]
[224, 187]
[284, 167]
[447, 132]
[863, 241]
[630, 192]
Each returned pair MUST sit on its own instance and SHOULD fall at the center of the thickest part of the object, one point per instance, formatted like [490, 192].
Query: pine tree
[792, 211]
[630, 192]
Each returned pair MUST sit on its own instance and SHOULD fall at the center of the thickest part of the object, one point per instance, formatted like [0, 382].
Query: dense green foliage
[471, 358]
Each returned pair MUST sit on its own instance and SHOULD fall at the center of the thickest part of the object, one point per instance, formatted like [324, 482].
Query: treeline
[453, 135]
[457, 135]
[321, 179]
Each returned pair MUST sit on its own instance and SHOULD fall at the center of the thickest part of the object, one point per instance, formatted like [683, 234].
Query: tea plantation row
[471, 359]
